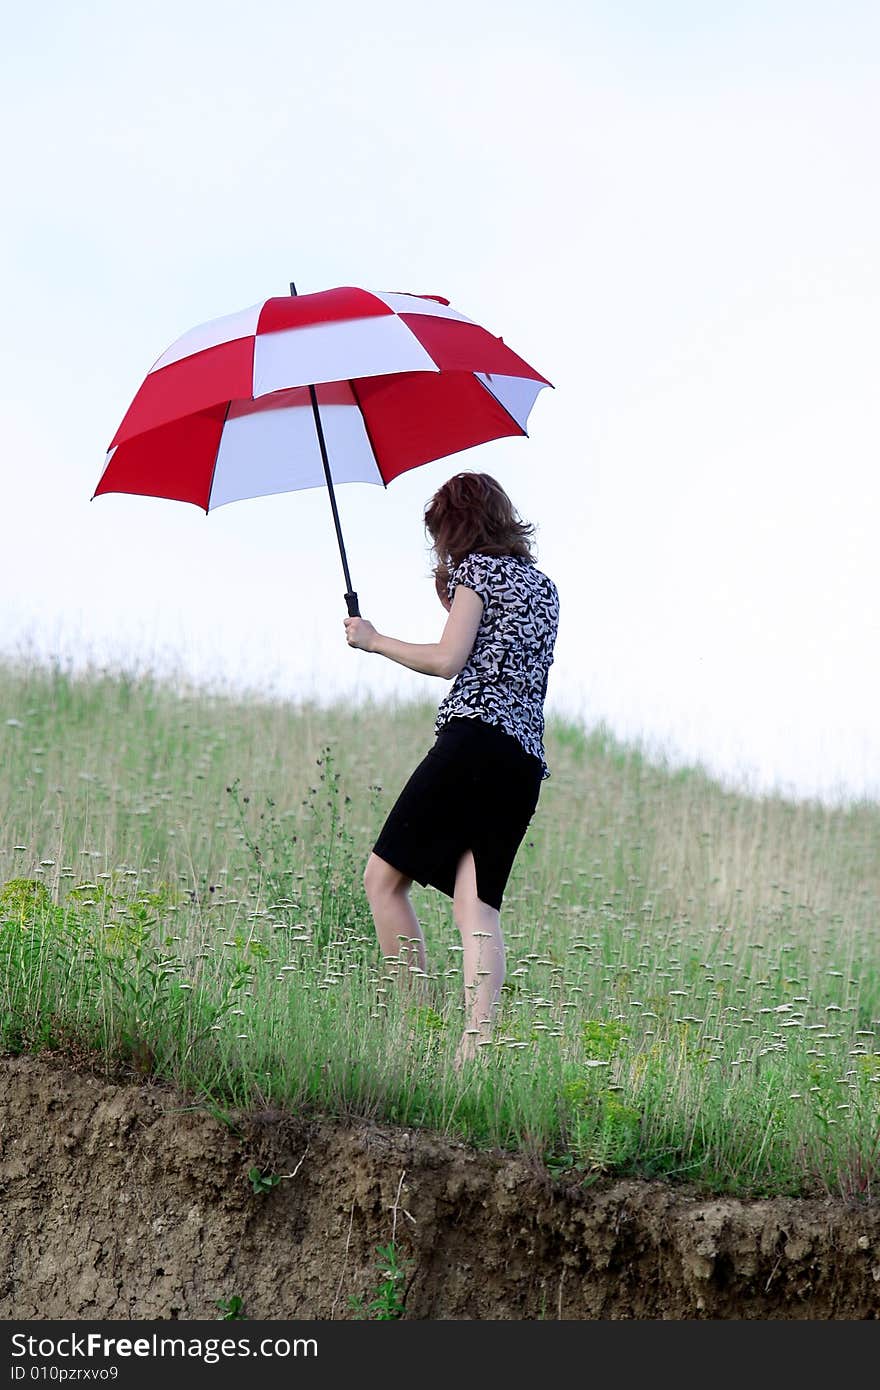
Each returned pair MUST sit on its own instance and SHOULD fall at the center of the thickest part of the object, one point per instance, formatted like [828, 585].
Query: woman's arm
[444, 658]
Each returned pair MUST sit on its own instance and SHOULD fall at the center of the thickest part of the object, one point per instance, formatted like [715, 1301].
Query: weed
[603, 1038]
[263, 1182]
[231, 1308]
[275, 857]
[333, 899]
[21, 899]
[558, 1164]
[388, 1300]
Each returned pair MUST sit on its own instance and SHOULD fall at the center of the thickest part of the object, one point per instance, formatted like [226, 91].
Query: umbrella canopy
[345, 385]
[401, 379]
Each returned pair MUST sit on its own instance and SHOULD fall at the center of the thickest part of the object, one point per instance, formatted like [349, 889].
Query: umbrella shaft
[351, 598]
[350, 595]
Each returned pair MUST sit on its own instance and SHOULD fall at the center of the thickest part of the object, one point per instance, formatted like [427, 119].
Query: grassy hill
[692, 989]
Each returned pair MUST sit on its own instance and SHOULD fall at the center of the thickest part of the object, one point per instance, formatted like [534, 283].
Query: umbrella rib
[520, 427]
[216, 457]
[357, 401]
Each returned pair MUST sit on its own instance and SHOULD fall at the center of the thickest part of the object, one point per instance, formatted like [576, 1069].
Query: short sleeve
[474, 573]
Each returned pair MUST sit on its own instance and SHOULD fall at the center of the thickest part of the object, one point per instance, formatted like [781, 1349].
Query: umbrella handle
[351, 603]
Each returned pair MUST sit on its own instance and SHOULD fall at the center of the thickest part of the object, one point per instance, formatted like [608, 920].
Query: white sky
[672, 211]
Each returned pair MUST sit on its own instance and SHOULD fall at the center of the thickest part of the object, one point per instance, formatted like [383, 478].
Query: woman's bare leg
[397, 926]
[483, 959]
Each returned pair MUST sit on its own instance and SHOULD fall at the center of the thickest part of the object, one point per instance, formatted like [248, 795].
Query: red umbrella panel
[345, 385]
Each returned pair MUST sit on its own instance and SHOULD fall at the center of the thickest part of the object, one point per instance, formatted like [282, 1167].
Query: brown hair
[473, 512]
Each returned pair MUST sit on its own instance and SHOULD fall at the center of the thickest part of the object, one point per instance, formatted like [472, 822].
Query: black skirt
[476, 789]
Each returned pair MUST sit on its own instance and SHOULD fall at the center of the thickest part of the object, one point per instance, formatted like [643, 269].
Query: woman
[461, 817]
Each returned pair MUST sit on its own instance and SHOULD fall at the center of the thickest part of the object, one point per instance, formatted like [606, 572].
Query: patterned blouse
[504, 680]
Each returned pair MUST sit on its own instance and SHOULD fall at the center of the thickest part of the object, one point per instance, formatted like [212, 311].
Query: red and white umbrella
[345, 385]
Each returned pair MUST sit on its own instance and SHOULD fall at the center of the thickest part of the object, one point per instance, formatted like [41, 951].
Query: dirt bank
[120, 1200]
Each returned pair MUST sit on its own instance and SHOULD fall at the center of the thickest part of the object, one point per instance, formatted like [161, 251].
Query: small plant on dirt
[231, 1308]
[388, 1302]
[263, 1182]
[557, 1164]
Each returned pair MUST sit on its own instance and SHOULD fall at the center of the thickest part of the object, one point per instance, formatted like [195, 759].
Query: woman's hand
[444, 658]
[359, 633]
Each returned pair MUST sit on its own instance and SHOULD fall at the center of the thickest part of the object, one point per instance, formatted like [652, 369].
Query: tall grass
[692, 989]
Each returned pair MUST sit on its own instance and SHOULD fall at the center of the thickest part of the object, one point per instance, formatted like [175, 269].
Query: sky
[672, 212]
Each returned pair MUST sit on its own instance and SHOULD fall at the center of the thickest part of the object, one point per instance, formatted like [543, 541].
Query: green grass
[692, 990]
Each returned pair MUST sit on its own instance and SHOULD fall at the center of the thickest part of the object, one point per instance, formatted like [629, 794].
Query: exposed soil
[122, 1200]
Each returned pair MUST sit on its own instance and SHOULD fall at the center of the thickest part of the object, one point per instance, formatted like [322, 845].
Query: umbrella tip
[292, 288]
